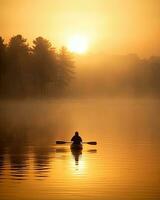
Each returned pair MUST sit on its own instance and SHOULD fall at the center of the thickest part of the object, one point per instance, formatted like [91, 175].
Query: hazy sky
[111, 26]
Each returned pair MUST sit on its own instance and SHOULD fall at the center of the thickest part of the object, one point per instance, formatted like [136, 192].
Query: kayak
[76, 146]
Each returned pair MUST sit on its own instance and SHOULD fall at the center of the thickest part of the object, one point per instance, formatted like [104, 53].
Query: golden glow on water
[124, 164]
[79, 168]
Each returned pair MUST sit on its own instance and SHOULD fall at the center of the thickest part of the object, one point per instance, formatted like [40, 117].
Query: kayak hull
[76, 146]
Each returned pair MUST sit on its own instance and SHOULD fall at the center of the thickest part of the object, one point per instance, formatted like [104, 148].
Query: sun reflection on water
[79, 167]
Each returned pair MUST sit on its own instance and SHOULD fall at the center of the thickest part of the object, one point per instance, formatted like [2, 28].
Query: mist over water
[124, 164]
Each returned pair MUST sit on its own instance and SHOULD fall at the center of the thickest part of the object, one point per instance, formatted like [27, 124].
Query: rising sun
[78, 44]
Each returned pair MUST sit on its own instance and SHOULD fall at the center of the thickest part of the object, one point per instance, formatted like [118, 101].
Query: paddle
[64, 142]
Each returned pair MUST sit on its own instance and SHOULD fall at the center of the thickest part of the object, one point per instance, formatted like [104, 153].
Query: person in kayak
[76, 139]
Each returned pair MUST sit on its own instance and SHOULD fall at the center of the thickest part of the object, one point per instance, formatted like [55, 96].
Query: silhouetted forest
[43, 71]
[39, 70]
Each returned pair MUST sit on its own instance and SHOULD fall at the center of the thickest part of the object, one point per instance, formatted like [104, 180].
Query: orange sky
[112, 26]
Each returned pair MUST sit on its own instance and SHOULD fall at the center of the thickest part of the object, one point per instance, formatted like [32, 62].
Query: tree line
[40, 70]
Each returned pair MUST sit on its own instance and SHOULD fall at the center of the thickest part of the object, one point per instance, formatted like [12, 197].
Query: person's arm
[72, 138]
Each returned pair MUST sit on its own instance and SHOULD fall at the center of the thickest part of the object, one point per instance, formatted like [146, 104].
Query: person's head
[76, 133]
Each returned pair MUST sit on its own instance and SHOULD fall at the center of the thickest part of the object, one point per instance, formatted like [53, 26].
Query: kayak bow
[76, 146]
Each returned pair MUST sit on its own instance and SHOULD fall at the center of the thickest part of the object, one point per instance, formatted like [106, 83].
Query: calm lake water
[125, 164]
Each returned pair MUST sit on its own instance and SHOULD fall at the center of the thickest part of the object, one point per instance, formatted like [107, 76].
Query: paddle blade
[60, 142]
[92, 143]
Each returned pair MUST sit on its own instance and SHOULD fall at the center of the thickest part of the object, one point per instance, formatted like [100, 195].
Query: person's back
[76, 139]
